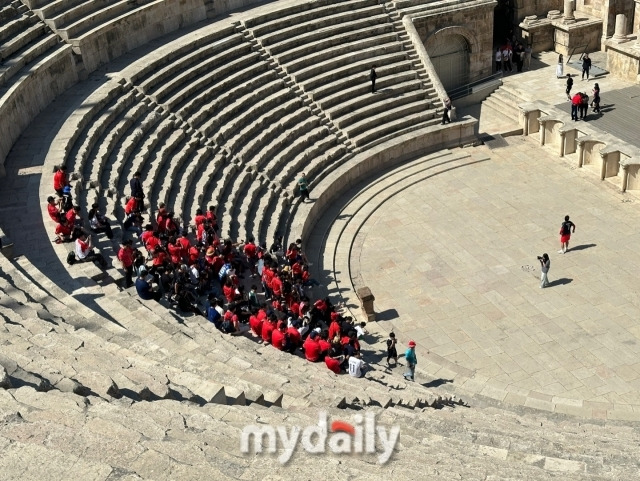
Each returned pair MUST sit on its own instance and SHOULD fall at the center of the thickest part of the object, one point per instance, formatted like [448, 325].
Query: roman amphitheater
[434, 226]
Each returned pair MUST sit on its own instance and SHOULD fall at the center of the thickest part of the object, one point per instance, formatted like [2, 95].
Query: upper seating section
[23, 40]
[329, 47]
[72, 18]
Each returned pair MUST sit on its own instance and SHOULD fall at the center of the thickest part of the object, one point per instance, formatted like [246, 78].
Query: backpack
[566, 228]
[71, 258]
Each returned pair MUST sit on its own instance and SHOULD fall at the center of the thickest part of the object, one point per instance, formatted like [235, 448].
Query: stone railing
[610, 157]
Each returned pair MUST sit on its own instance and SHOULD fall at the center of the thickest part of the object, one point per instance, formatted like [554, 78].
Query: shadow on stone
[437, 382]
[387, 315]
[582, 247]
[560, 282]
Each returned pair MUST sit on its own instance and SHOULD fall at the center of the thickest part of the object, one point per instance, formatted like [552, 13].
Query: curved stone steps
[254, 138]
[119, 130]
[43, 45]
[18, 32]
[81, 20]
[319, 28]
[261, 25]
[216, 183]
[180, 190]
[195, 196]
[383, 122]
[335, 89]
[339, 55]
[172, 93]
[364, 57]
[249, 217]
[275, 218]
[231, 202]
[286, 139]
[138, 133]
[140, 155]
[238, 101]
[228, 83]
[151, 169]
[298, 57]
[321, 154]
[96, 125]
[169, 174]
[357, 71]
[159, 65]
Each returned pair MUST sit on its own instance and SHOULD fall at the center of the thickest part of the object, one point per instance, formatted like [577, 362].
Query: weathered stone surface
[100, 384]
[5, 382]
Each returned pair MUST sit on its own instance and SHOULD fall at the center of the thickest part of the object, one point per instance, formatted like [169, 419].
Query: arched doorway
[450, 57]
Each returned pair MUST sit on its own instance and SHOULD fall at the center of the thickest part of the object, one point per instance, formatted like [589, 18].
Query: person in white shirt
[357, 367]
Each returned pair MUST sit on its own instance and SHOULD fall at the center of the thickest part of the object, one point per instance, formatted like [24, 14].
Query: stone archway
[450, 52]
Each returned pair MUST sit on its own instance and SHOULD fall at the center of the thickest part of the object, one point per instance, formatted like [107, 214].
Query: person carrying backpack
[566, 229]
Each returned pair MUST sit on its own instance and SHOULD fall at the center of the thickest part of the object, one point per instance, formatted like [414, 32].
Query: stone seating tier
[287, 39]
[28, 50]
[218, 54]
[294, 58]
[233, 85]
[261, 25]
[86, 16]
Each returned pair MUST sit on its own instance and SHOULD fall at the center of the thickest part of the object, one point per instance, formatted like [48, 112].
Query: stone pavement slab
[455, 256]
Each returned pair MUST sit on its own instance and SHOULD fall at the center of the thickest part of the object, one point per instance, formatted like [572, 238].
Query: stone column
[563, 139]
[621, 28]
[568, 12]
[580, 153]
[542, 132]
[603, 166]
[625, 177]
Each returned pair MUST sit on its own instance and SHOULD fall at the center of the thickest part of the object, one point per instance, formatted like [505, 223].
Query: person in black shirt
[566, 229]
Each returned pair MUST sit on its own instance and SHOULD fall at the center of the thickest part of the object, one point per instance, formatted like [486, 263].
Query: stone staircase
[500, 112]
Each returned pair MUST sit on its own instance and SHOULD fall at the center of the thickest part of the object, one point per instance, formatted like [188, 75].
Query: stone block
[5, 382]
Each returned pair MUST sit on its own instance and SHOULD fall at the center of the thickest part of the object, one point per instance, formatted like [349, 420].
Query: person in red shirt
[576, 100]
[267, 329]
[276, 286]
[278, 338]
[229, 291]
[63, 231]
[194, 255]
[251, 251]
[170, 226]
[255, 323]
[125, 255]
[199, 218]
[334, 329]
[159, 256]
[60, 180]
[185, 244]
[323, 341]
[294, 336]
[212, 218]
[175, 251]
[53, 208]
[333, 361]
[312, 351]
[73, 216]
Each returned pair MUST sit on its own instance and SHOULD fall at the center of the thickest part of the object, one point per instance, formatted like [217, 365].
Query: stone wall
[524, 8]
[28, 96]
[474, 24]
[109, 41]
[623, 61]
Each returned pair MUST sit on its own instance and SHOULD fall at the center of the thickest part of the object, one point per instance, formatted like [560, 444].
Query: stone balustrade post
[542, 131]
[366, 301]
[580, 153]
[563, 139]
[603, 166]
[569, 17]
[625, 177]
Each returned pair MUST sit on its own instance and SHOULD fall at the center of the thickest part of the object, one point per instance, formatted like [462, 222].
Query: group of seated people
[202, 274]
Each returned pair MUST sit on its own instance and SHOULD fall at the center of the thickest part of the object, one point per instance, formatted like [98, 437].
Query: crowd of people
[196, 271]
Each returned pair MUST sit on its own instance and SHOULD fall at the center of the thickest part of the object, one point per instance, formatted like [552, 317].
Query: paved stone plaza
[452, 263]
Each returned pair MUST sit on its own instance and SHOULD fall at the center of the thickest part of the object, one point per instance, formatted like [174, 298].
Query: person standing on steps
[373, 76]
[447, 108]
[566, 229]
[136, 189]
[569, 86]
[392, 352]
[304, 187]
[586, 65]
[545, 264]
[60, 180]
[595, 103]
[412, 360]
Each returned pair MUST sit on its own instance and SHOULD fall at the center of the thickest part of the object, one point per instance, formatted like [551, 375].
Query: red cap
[412, 344]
